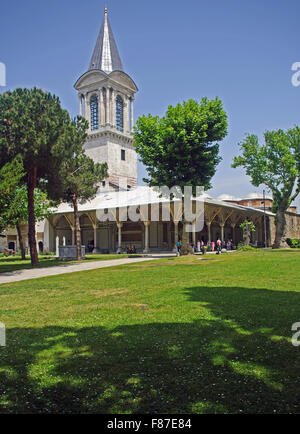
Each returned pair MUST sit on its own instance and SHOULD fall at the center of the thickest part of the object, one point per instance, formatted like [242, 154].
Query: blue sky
[240, 51]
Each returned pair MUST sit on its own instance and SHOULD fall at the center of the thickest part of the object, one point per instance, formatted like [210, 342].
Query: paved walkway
[17, 276]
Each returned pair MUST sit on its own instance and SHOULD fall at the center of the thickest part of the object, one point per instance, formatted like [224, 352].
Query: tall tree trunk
[280, 237]
[77, 227]
[21, 241]
[186, 248]
[32, 179]
[247, 235]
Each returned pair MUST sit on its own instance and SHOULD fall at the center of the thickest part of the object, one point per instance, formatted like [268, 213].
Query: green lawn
[177, 335]
[11, 263]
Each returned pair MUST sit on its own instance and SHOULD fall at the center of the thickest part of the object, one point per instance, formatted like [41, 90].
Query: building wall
[106, 148]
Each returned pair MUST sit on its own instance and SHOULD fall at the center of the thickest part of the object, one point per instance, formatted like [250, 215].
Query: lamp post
[265, 223]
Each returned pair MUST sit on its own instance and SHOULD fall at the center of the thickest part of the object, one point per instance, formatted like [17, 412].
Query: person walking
[219, 246]
[178, 244]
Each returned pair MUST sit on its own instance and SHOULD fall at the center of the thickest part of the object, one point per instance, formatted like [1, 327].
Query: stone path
[19, 275]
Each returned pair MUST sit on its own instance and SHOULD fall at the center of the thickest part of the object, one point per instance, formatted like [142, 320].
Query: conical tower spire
[106, 55]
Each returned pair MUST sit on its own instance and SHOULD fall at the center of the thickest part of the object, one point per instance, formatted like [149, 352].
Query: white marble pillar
[113, 109]
[209, 232]
[111, 104]
[147, 248]
[87, 110]
[95, 239]
[131, 115]
[106, 102]
[120, 225]
[194, 234]
[222, 232]
[80, 104]
[102, 107]
[57, 246]
[126, 114]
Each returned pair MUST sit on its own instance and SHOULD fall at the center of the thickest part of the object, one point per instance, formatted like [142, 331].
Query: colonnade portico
[146, 235]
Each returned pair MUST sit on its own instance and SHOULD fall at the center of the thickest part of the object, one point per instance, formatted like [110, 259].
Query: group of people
[131, 250]
[211, 246]
[215, 246]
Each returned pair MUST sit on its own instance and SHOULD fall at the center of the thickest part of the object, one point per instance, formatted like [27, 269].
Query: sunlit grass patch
[160, 337]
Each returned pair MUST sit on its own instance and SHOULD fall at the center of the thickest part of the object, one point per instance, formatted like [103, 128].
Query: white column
[126, 114]
[209, 231]
[99, 108]
[147, 248]
[107, 105]
[102, 107]
[194, 234]
[222, 232]
[80, 104]
[64, 241]
[57, 247]
[131, 115]
[113, 109]
[120, 225]
[95, 239]
[111, 104]
[87, 110]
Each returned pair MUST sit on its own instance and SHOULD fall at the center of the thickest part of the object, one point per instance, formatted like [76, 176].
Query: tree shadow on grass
[234, 357]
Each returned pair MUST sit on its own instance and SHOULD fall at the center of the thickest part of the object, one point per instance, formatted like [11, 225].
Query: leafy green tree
[79, 175]
[32, 124]
[276, 164]
[181, 148]
[11, 175]
[18, 211]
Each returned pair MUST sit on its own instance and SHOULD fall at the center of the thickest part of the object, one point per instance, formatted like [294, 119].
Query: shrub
[294, 243]
[242, 248]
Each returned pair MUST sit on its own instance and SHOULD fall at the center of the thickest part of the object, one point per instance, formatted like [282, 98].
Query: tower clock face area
[106, 99]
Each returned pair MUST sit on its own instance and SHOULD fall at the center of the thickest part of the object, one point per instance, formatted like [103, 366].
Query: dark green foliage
[294, 243]
[11, 175]
[181, 147]
[32, 124]
[275, 164]
[78, 173]
[79, 176]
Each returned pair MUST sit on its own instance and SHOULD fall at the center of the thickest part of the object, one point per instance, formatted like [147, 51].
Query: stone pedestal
[70, 252]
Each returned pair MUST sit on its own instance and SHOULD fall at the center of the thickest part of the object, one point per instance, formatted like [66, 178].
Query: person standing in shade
[178, 244]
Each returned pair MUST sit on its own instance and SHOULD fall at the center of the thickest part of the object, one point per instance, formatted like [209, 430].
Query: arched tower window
[94, 113]
[119, 113]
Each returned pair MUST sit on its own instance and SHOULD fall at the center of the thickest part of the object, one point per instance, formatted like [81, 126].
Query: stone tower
[106, 97]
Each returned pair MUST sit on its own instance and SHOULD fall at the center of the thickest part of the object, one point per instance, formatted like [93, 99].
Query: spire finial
[105, 10]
